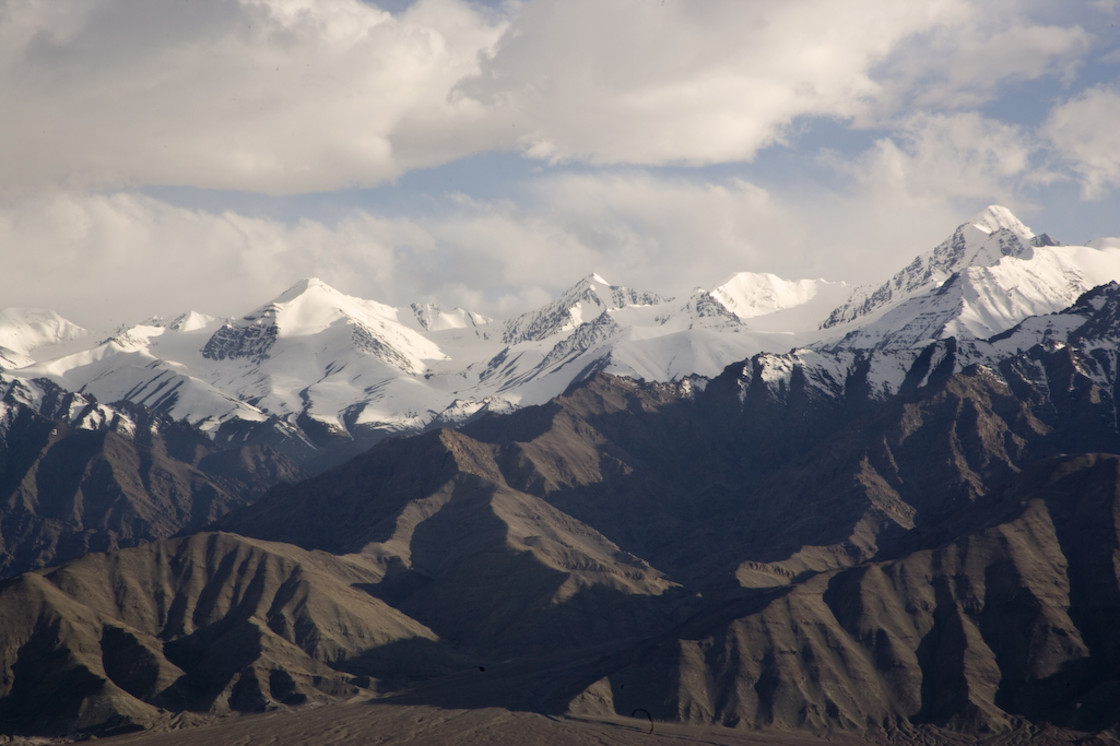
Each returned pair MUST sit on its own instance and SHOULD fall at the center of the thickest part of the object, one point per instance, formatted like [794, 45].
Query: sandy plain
[362, 723]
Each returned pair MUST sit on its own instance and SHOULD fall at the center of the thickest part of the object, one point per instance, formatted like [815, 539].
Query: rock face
[496, 568]
[251, 341]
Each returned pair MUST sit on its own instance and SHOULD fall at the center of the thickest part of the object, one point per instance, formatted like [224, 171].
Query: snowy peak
[707, 310]
[991, 274]
[190, 321]
[595, 289]
[998, 217]
[581, 303]
[1101, 309]
[312, 312]
[324, 365]
[23, 330]
[311, 305]
[751, 294]
[760, 302]
[141, 335]
[303, 287]
[984, 241]
[306, 308]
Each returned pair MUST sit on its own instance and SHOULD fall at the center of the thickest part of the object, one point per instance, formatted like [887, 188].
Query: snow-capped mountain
[992, 273]
[1071, 356]
[1090, 327]
[312, 353]
[945, 432]
[580, 304]
[311, 309]
[315, 366]
[599, 326]
[25, 330]
[982, 241]
[51, 401]
[749, 295]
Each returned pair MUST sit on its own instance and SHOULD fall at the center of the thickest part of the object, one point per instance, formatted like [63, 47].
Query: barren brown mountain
[938, 566]
[67, 490]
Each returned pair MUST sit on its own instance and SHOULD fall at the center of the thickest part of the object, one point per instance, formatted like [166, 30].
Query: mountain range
[314, 367]
[888, 512]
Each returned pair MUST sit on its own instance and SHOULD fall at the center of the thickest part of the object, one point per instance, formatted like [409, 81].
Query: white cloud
[964, 65]
[647, 82]
[120, 257]
[107, 259]
[296, 96]
[273, 96]
[961, 156]
[650, 231]
[292, 96]
[909, 190]
[1084, 132]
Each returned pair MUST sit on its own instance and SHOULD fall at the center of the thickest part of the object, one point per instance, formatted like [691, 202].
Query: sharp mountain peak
[996, 217]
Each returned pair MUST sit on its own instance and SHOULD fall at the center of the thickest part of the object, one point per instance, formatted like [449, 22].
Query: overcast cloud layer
[161, 154]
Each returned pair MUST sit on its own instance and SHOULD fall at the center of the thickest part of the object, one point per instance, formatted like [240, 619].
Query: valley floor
[366, 723]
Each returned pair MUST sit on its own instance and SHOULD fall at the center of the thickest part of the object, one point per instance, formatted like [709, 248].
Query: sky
[164, 155]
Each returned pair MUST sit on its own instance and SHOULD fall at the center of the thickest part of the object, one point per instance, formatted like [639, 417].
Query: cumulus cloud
[647, 228]
[271, 96]
[1107, 7]
[292, 96]
[1084, 132]
[296, 96]
[960, 156]
[646, 82]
